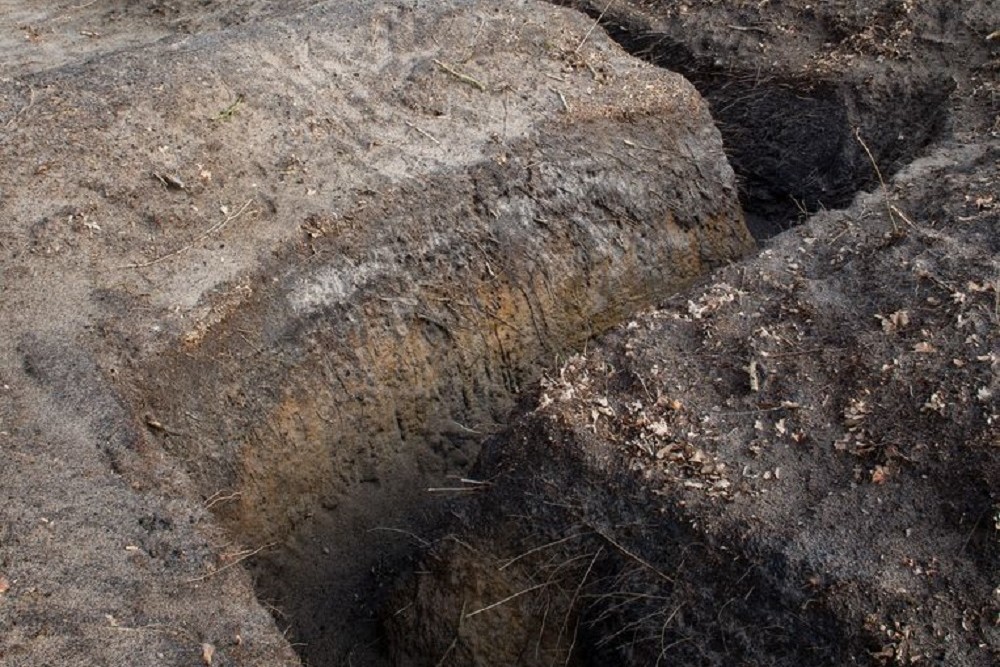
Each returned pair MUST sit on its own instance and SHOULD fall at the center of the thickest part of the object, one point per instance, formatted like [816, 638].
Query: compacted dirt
[274, 276]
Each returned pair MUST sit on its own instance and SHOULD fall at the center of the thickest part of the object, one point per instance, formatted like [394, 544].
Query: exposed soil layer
[290, 271]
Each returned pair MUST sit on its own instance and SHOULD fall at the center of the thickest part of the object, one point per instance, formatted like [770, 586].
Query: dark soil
[796, 463]
[803, 91]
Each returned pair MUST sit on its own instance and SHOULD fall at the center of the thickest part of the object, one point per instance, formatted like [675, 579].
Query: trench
[338, 479]
[798, 143]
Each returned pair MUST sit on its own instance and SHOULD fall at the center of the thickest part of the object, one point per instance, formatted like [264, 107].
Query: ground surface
[223, 321]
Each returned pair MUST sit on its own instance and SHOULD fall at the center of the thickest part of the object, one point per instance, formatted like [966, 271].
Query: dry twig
[208, 232]
[475, 83]
[596, 23]
[506, 599]
[225, 567]
[542, 547]
[878, 172]
[638, 559]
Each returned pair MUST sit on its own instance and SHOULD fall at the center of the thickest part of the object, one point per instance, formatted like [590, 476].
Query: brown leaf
[207, 653]
[895, 321]
[4, 584]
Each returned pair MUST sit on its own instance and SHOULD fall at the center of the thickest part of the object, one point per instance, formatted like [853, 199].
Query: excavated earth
[350, 333]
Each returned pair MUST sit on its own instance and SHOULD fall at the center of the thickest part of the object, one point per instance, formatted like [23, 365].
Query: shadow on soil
[802, 144]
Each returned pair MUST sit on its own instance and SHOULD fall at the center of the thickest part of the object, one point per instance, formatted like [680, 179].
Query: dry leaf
[207, 653]
[880, 475]
[895, 321]
[4, 584]
[659, 428]
[924, 347]
[855, 412]
[935, 403]
[664, 452]
[973, 286]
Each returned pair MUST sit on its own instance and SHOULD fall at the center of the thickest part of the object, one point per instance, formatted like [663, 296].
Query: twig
[799, 353]
[572, 602]
[208, 232]
[422, 131]
[597, 22]
[475, 83]
[745, 28]
[217, 498]
[542, 547]
[562, 98]
[479, 482]
[422, 541]
[758, 411]
[466, 428]
[506, 599]
[646, 564]
[31, 103]
[452, 489]
[229, 565]
[451, 647]
[156, 425]
[903, 216]
[878, 172]
[454, 641]
[663, 631]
